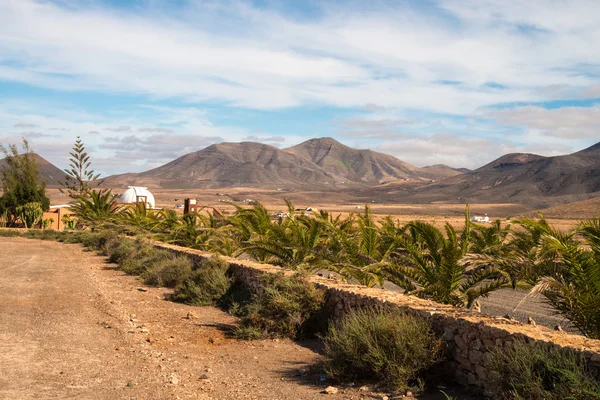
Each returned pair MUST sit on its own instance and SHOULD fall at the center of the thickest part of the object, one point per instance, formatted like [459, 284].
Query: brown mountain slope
[440, 171]
[347, 164]
[526, 178]
[244, 164]
[48, 171]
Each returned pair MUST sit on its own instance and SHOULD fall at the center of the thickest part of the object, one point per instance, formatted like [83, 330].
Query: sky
[458, 82]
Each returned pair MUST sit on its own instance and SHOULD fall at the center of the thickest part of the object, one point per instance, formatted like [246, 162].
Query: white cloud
[565, 122]
[460, 151]
[395, 57]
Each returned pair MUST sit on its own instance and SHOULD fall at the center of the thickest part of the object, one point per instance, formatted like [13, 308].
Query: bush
[206, 286]
[46, 234]
[169, 271]
[282, 309]
[539, 371]
[143, 256]
[389, 347]
[9, 233]
[95, 240]
[121, 251]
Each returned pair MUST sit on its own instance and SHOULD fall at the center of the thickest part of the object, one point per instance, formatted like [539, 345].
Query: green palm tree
[434, 265]
[140, 218]
[96, 210]
[360, 252]
[570, 275]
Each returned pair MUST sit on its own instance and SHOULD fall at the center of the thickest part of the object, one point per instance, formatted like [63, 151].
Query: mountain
[347, 164]
[245, 164]
[48, 171]
[315, 163]
[440, 171]
[525, 178]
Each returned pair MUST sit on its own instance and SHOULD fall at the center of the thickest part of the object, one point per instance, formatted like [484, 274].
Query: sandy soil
[71, 326]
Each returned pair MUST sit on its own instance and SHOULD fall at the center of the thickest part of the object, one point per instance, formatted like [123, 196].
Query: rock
[190, 315]
[530, 321]
[203, 376]
[149, 339]
[174, 379]
[209, 370]
[409, 394]
[330, 390]
[142, 289]
[363, 389]
[558, 328]
[385, 398]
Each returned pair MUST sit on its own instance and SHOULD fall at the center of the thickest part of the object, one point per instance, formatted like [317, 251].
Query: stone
[142, 289]
[203, 376]
[476, 344]
[190, 315]
[448, 334]
[363, 389]
[330, 390]
[174, 379]
[471, 379]
[530, 321]
[476, 357]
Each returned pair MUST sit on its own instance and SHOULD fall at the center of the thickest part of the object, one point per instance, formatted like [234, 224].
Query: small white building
[480, 218]
[138, 194]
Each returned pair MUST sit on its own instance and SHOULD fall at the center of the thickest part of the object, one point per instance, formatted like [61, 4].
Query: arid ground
[71, 326]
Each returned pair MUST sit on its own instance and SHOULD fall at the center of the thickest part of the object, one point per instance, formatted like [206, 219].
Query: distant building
[480, 218]
[138, 194]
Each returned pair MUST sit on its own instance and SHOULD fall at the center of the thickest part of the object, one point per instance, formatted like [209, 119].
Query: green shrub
[390, 347]
[282, 309]
[143, 256]
[538, 371]
[94, 240]
[207, 285]
[9, 233]
[48, 234]
[169, 271]
[121, 251]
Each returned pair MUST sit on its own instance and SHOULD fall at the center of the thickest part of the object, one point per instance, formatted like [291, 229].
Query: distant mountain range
[325, 164]
[320, 162]
[526, 178]
[48, 172]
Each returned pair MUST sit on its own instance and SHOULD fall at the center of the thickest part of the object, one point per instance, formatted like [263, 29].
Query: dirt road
[72, 327]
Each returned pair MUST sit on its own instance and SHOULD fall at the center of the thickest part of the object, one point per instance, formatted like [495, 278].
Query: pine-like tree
[79, 176]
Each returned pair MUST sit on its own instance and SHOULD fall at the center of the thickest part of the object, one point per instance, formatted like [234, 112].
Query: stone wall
[469, 336]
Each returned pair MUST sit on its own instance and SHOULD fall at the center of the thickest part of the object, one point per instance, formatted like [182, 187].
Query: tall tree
[79, 174]
[21, 181]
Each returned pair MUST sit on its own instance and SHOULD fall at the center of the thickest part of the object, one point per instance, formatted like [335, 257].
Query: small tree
[21, 182]
[79, 175]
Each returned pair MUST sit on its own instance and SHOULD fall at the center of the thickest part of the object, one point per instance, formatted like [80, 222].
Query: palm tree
[570, 278]
[96, 210]
[435, 266]
[290, 242]
[140, 217]
[360, 253]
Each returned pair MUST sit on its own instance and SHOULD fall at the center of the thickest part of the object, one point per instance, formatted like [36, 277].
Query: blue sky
[440, 81]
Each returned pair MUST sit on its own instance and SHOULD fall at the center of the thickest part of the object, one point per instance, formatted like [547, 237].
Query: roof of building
[133, 194]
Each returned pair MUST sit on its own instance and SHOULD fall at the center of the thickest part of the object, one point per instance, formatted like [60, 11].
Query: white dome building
[137, 194]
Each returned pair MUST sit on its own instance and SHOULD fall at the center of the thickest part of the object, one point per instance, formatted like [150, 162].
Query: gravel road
[73, 327]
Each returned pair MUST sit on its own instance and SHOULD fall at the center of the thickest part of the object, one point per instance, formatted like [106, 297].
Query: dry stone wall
[469, 336]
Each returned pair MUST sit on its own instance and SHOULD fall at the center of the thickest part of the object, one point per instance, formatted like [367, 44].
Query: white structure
[138, 194]
[479, 218]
